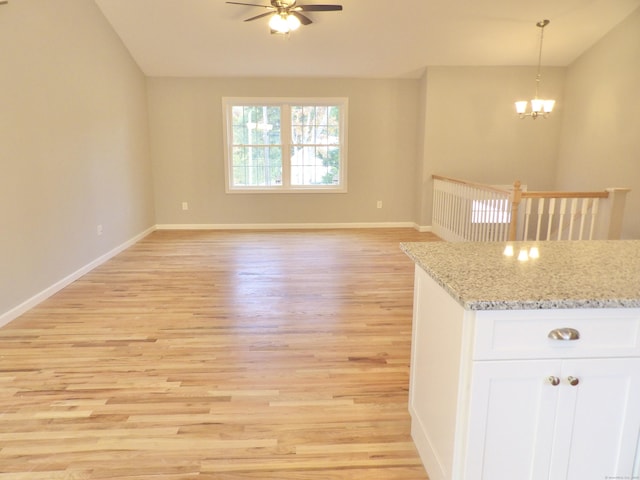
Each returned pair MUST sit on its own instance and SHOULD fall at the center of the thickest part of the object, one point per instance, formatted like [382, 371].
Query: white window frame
[285, 104]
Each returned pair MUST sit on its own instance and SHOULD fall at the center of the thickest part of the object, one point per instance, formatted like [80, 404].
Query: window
[285, 145]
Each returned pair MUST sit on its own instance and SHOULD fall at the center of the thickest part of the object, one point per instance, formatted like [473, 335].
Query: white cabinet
[493, 398]
[512, 411]
[523, 426]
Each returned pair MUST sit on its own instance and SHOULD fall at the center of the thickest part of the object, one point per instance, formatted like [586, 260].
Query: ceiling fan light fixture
[279, 24]
[293, 22]
[285, 16]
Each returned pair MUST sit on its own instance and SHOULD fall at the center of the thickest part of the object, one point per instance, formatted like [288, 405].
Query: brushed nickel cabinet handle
[573, 381]
[564, 334]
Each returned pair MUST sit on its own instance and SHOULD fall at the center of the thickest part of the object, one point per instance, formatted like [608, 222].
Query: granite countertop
[567, 274]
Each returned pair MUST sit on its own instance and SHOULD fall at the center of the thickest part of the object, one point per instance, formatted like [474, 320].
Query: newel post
[616, 200]
[516, 196]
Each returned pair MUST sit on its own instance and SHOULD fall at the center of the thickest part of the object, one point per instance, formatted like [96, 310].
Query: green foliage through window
[257, 146]
[285, 145]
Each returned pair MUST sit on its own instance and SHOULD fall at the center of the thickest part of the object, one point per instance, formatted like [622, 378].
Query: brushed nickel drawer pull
[564, 334]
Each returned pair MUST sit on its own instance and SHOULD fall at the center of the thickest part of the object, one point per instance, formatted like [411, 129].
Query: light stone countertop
[567, 274]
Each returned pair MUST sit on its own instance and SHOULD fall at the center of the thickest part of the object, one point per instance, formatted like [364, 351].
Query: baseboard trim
[27, 305]
[288, 226]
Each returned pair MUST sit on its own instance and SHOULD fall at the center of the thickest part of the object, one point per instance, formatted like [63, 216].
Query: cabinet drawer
[525, 334]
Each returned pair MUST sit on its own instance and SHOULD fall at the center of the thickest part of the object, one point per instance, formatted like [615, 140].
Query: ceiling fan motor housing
[283, 4]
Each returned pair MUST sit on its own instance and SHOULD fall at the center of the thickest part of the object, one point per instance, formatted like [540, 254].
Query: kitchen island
[525, 360]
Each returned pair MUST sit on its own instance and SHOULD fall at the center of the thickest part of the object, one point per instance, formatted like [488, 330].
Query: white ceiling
[369, 38]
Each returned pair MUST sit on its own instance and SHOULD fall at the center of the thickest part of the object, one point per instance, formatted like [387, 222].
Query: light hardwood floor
[218, 355]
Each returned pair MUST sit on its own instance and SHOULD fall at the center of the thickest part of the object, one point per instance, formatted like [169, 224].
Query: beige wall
[600, 144]
[188, 165]
[471, 130]
[73, 144]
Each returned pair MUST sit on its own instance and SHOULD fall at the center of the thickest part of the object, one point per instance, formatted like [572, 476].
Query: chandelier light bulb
[536, 105]
[548, 106]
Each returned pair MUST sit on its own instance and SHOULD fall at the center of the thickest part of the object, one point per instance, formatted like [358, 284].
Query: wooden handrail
[565, 194]
[480, 186]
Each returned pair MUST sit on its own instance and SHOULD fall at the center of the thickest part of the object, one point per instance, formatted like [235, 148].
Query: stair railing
[567, 215]
[468, 211]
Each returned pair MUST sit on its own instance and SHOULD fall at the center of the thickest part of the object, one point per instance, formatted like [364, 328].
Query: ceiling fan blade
[258, 16]
[251, 5]
[303, 20]
[318, 8]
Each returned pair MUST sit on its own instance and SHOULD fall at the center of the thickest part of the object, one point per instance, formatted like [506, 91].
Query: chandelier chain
[540, 24]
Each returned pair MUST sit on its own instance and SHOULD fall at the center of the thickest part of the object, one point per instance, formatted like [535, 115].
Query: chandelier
[539, 106]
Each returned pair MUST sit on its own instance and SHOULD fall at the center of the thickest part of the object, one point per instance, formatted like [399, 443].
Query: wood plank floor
[218, 355]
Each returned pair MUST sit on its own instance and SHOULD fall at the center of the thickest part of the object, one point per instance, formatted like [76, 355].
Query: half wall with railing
[468, 211]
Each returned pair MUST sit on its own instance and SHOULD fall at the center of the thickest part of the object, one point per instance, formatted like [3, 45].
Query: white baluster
[458, 211]
[438, 212]
[583, 216]
[483, 217]
[574, 209]
[540, 213]
[486, 226]
[475, 198]
[563, 206]
[493, 209]
[527, 216]
[594, 214]
[445, 207]
[477, 217]
[499, 218]
[467, 214]
[448, 201]
[505, 208]
[552, 210]
[462, 206]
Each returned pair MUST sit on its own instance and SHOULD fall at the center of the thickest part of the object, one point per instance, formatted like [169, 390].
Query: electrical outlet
[99, 230]
[379, 204]
[185, 206]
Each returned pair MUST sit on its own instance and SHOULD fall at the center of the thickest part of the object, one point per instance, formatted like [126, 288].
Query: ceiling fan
[285, 14]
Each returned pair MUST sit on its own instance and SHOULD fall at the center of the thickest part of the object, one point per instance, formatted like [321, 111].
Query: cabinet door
[598, 421]
[511, 420]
